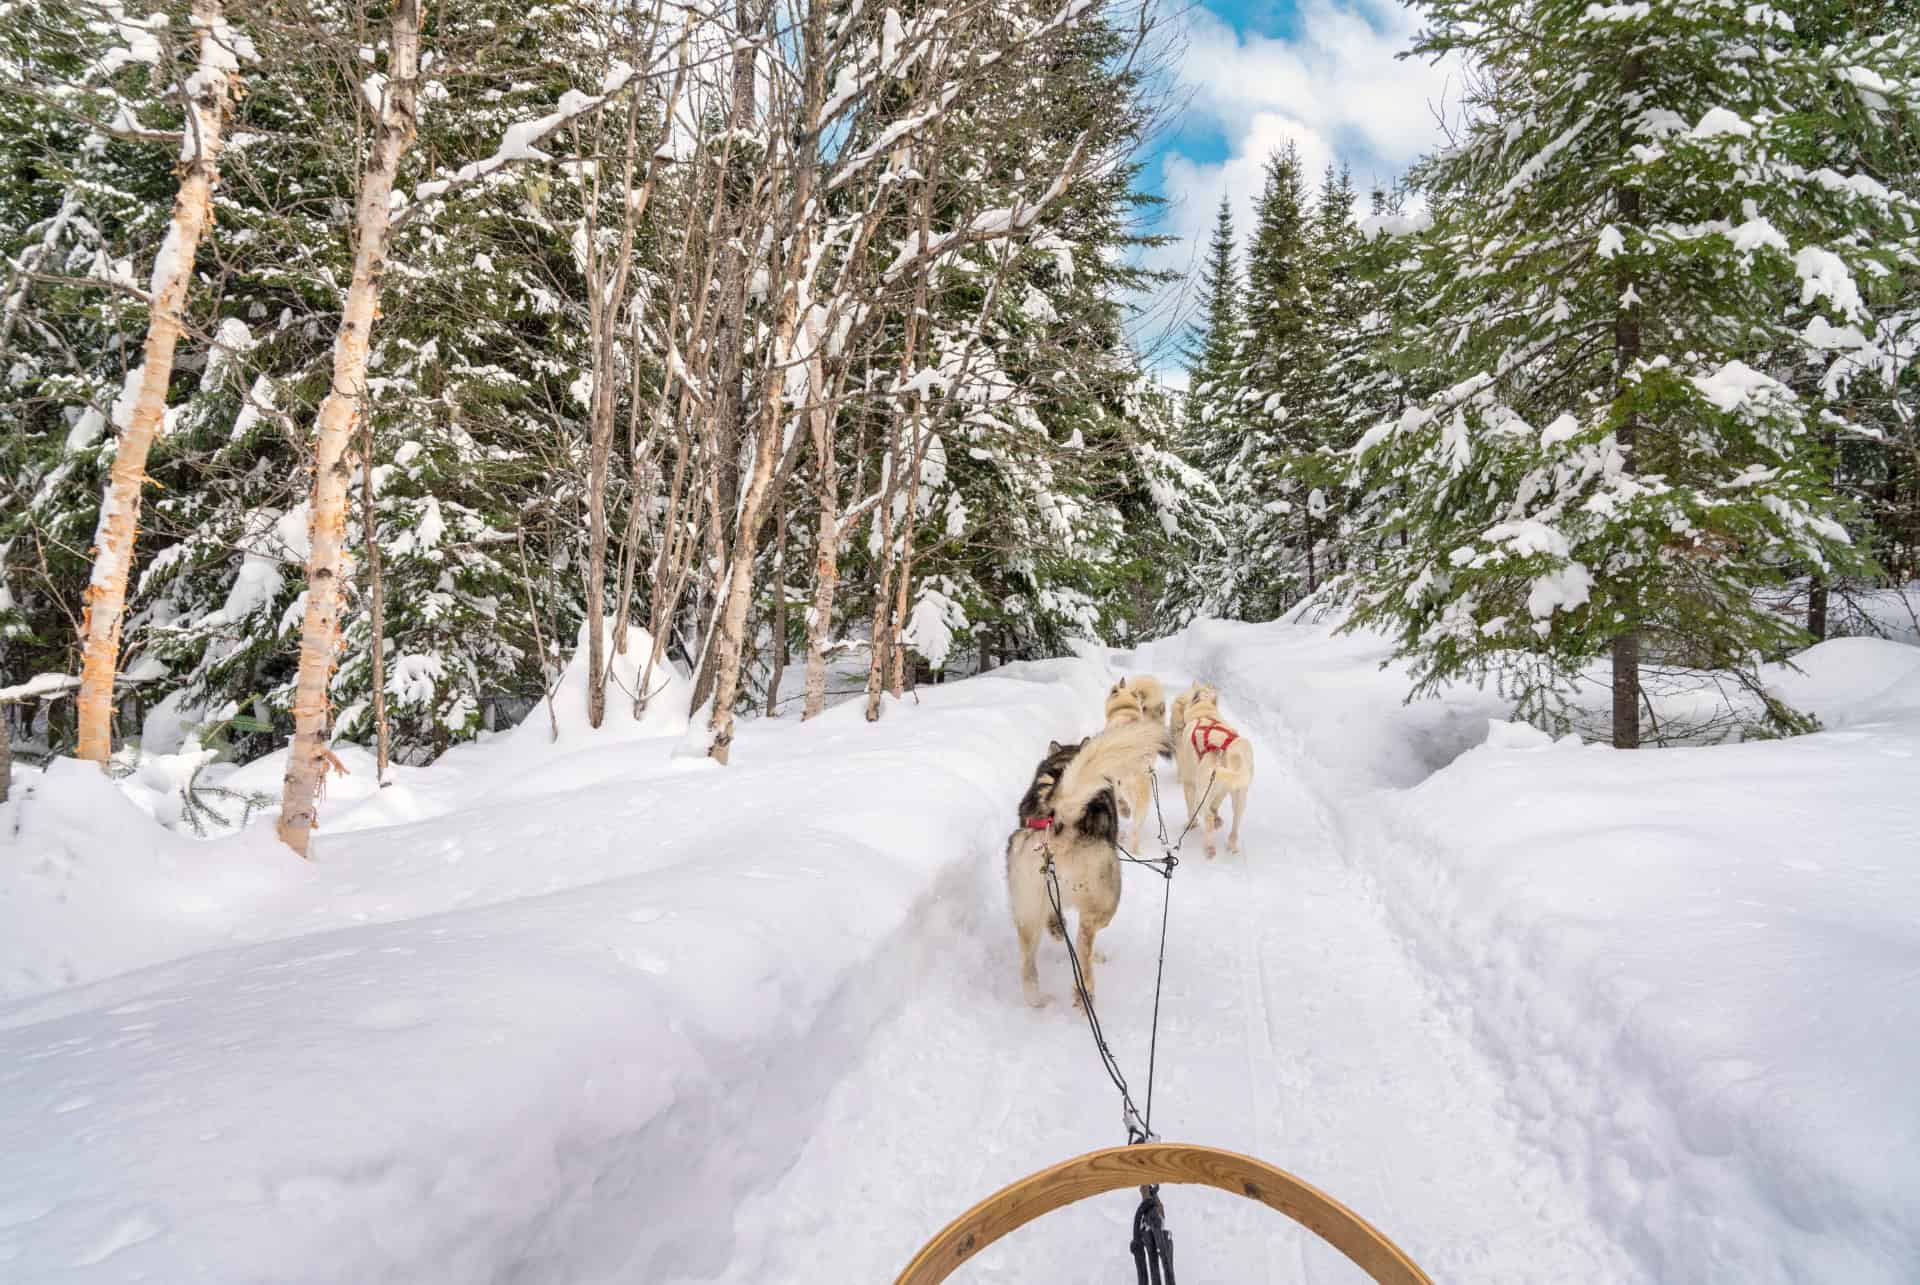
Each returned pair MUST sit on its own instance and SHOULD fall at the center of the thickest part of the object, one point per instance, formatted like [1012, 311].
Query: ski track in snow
[1284, 980]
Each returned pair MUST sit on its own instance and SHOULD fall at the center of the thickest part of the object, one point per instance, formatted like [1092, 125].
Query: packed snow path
[1294, 1027]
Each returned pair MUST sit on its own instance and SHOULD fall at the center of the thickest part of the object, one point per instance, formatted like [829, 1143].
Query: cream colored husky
[1139, 699]
[1214, 761]
[1078, 834]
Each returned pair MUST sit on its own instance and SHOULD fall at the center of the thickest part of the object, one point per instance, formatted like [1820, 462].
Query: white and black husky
[1078, 830]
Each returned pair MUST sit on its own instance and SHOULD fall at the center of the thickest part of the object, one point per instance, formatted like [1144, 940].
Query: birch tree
[209, 94]
[310, 758]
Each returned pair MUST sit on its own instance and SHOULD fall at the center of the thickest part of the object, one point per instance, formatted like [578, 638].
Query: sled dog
[1148, 691]
[1214, 761]
[1078, 833]
[1038, 800]
[1135, 700]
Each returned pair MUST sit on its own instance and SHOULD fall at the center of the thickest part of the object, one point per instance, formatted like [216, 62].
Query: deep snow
[596, 1010]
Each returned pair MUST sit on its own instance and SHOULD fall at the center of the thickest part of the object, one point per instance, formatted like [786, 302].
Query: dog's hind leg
[1239, 811]
[1137, 800]
[1084, 948]
[1029, 969]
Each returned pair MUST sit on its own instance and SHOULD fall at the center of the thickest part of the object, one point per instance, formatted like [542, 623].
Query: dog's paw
[1036, 1000]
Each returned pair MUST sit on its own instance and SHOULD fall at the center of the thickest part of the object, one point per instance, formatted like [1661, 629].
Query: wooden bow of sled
[1018, 1204]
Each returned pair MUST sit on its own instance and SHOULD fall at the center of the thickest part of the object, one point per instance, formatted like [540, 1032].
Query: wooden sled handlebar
[1019, 1203]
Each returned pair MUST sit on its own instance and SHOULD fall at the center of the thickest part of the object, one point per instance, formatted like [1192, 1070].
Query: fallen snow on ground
[1698, 965]
[587, 1008]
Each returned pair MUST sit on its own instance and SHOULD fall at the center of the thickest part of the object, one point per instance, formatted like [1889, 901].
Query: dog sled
[1147, 1165]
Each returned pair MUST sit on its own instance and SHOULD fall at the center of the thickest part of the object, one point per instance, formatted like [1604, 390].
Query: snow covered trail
[1294, 1027]
[592, 1011]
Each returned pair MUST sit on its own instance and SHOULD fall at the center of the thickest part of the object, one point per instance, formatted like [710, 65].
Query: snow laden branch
[520, 144]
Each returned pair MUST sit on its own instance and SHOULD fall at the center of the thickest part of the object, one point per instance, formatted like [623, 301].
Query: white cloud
[1336, 91]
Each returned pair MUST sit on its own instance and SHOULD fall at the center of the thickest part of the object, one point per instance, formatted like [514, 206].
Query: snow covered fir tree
[617, 616]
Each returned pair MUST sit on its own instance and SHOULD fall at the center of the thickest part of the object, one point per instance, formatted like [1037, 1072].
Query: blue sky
[1318, 73]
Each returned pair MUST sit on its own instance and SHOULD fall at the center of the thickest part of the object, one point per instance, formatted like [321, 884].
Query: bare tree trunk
[604, 297]
[896, 653]
[729, 341]
[886, 625]
[209, 93]
[1306, 522]
[1626, 691]
[779, 607]
[669, 575]
[878, 630]
[1817, 608]
[826, 554]
[333, 433]
[767, 452]
[1626, 345]
[379, 606]
[739, 591]
[596, 573]
[539, 644]
[6, 753]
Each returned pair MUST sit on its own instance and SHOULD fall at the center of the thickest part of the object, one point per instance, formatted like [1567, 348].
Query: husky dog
[1214, 761]
[1148, 691]
[1135, 700]
[1038, 800]
[1078, 834]
[1177, 716]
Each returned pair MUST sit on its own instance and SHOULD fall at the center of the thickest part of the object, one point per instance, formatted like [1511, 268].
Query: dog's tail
[1115, 753]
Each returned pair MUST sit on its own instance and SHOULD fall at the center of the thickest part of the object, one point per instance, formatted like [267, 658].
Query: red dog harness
[1038, 823]
[1208, 737]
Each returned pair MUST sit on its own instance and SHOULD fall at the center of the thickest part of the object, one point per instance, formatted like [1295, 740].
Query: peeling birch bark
[142, 405]
[333, 437]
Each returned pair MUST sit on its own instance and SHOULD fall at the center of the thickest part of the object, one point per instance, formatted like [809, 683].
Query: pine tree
[1197, 576]
[1213, 353]
[1341, 322]
[1659, 218]
[1281, 406]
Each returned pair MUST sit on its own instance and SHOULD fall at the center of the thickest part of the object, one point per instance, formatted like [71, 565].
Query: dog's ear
[1120, 686]
[1054, 747]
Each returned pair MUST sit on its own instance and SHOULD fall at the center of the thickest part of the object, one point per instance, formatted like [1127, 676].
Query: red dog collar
[1038, 823]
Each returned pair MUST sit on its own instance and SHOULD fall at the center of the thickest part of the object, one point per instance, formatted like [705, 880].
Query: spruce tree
[1210, 436]
[1280, 406]
[1213, 351]
[1660, 259]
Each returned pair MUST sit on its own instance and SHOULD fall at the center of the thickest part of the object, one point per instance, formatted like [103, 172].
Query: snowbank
[554, 1031]
[1699, 963]
[1696, 963]
[667, 689]
[91, 886]
[1705, 961]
